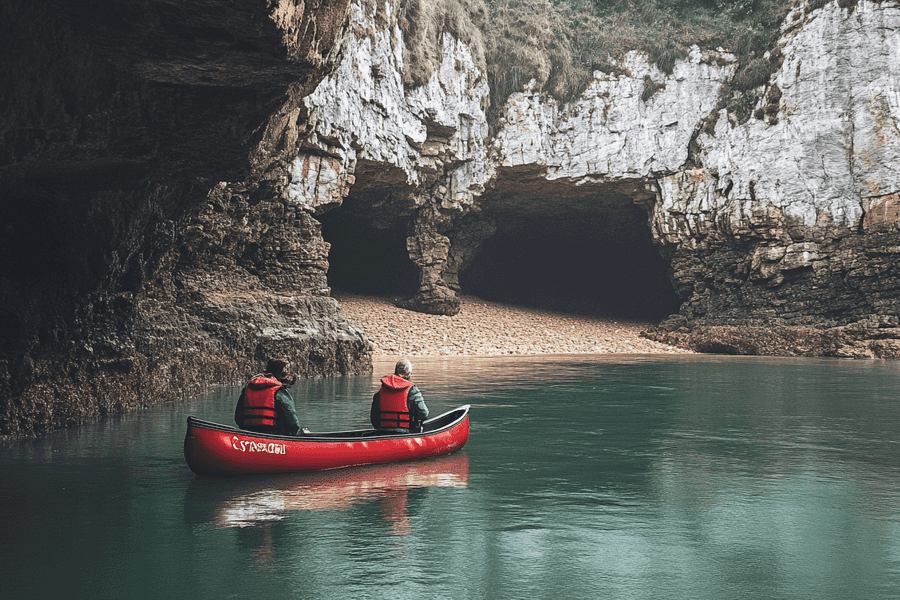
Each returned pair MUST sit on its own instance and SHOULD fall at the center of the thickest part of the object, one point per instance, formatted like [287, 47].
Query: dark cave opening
[365, 259]
[590, 264]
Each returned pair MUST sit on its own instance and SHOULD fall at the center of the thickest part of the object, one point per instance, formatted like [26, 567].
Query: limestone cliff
[418, 154]
[781, 227]
[791, 220]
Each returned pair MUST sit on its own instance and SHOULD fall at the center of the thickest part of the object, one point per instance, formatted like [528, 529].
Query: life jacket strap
[393, 418]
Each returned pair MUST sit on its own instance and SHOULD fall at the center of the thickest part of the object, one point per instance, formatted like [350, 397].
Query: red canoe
[211, 449]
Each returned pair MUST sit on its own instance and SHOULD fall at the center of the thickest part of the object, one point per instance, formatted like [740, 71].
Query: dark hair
[278, 367]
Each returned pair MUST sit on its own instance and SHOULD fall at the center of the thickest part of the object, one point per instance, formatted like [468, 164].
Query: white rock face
[362, 112]
[825, 152]
[610, 131]
[831, 153]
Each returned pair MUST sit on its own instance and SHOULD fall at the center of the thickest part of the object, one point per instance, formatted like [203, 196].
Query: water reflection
[237, 503]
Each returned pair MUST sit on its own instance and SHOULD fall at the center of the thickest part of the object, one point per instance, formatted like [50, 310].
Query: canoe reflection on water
[259, 502]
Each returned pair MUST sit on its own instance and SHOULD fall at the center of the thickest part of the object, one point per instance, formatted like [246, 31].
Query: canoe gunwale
[341, 436]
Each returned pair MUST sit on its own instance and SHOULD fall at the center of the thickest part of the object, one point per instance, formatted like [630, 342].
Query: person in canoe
[266, 405]
[398, 406]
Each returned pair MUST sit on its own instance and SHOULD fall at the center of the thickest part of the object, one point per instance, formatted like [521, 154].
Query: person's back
[256, 407]
[398, 406]
[265, 405]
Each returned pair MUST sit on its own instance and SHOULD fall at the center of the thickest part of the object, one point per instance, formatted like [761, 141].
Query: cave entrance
[587, 257]
[368, 253]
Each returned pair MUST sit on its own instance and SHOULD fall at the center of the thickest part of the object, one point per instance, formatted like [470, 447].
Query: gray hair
[403, 368]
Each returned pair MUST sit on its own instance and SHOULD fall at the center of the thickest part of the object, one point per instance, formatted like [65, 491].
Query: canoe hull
[214, 450]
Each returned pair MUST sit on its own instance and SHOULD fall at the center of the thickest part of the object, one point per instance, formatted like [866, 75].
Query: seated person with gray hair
[398, 407]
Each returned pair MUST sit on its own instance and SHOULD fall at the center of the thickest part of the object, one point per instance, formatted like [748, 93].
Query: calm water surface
[584, 477]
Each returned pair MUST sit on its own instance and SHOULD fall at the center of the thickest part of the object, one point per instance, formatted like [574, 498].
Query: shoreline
[484, 328]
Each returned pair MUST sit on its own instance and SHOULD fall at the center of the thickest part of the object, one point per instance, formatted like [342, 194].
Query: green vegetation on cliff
[560, 43]
[423, 22]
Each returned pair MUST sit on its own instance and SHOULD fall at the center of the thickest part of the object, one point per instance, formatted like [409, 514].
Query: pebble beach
[485, 328]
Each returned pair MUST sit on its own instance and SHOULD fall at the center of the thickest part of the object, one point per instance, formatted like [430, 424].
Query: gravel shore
[490, 329]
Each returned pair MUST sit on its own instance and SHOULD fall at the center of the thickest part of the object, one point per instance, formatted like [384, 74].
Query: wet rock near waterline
[857, 341]
[182, 345]
[769, 278]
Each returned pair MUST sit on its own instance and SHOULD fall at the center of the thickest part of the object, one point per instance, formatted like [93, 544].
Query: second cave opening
[565, 265]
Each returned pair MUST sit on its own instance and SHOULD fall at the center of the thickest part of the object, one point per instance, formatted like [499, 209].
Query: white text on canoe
[248, 446]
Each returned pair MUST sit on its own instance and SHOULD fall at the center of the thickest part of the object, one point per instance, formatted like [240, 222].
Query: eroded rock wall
[130, 275]
[615, 131]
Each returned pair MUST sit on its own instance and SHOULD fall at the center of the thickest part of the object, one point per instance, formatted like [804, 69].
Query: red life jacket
[258, 402]
[392, 408]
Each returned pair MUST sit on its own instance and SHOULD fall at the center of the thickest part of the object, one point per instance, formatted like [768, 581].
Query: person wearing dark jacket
[398, 406]
[266, 405]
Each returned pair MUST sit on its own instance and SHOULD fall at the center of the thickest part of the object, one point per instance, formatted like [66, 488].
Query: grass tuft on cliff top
[423, 23]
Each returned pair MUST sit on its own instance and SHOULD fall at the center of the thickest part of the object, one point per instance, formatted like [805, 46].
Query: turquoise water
[584, 476]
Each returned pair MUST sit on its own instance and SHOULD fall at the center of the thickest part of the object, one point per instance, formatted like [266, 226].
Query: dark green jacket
[286, 420]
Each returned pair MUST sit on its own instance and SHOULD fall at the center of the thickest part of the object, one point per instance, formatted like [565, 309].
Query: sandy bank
[486, 328]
